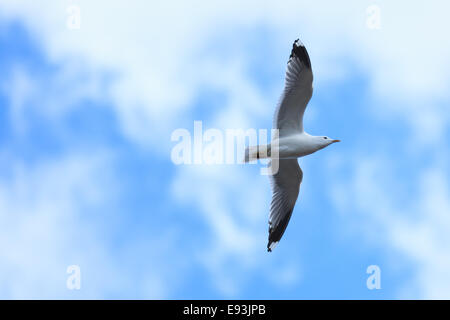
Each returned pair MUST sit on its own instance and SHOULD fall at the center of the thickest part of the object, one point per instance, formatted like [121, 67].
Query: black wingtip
[299, 50]
[277, 231]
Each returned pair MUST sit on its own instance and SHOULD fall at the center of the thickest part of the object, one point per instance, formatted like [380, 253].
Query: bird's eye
[325, 137]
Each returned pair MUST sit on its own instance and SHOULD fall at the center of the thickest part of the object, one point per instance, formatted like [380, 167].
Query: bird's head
[324, 141]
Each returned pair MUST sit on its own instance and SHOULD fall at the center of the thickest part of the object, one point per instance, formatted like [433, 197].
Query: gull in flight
[292, 142]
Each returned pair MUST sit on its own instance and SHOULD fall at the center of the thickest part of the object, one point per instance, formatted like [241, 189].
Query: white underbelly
[291, 147]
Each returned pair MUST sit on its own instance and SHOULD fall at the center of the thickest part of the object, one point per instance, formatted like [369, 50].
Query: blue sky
[86, 176]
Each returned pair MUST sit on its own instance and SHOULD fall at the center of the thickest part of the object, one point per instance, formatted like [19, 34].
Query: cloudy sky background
[86, 177]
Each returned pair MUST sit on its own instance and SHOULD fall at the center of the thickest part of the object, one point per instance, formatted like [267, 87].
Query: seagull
[291, 143]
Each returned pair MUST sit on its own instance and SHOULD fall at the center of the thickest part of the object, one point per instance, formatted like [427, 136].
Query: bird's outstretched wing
[285, 187]
[297, 92]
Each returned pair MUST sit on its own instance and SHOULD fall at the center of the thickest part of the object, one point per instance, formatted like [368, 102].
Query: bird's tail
[257, 152]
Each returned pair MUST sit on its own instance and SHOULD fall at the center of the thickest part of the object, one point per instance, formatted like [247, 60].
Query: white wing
[285, 188]
[297, 92]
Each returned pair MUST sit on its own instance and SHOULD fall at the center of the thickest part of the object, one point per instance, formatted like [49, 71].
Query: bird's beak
[336, 140]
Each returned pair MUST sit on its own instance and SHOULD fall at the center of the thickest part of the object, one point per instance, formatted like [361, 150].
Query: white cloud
[62, 212]
[46, 95]
[44, 227]
[235, 236]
